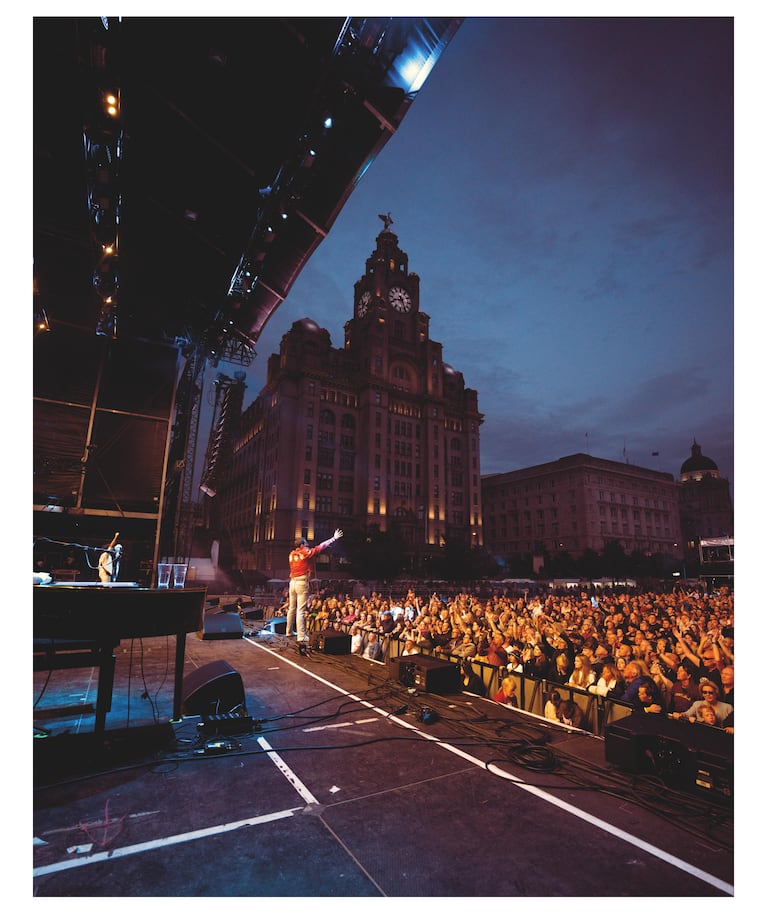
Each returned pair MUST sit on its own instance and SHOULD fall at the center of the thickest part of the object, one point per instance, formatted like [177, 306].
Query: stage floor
[344, 783]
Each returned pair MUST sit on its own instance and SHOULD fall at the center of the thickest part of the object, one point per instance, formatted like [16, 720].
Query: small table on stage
[80, 624]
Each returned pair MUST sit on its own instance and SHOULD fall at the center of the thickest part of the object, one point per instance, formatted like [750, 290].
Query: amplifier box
[332, 642]
[226, 723]
[686, 755]
[220, 625]
[213, 688]
[423, 672]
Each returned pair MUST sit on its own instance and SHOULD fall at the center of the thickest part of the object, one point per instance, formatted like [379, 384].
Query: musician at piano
[109, 561]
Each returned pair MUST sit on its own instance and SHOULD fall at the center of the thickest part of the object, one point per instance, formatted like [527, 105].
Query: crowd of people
[667, 653]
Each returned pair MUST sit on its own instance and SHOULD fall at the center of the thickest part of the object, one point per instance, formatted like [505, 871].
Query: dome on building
[696, 466]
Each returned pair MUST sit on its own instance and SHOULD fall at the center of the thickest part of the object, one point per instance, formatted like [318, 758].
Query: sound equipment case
[423, 672]
[686, 755]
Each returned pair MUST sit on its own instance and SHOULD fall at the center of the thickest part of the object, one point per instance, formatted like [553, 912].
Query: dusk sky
[564, 190]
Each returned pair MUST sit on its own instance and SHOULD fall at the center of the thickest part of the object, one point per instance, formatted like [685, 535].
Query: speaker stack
[422, 672]
[332, 642]
[212, 689]
[221, 624]
[689, 756]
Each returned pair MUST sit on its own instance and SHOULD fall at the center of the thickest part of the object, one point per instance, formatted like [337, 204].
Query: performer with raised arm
[109, 561]
[299, 560]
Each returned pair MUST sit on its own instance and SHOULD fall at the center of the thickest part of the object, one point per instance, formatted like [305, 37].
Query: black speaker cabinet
[686, 755]
[432, 675]
[212, 689]
[332, 642]
[221, 625]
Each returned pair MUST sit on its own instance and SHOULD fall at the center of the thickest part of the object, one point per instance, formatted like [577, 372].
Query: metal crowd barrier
[532, 694]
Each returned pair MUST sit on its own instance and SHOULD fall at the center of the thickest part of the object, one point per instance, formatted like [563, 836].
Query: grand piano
[79, 624]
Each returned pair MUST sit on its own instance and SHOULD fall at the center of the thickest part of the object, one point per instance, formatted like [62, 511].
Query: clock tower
[381, 433]
[387, 288]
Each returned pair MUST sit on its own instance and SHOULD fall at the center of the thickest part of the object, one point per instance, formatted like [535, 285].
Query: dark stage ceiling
[218, 177]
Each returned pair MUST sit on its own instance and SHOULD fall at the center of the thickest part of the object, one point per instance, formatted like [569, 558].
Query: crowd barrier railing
[597, 712]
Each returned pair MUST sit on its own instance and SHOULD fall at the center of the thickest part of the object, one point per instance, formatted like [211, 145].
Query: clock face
[399, 299]
[363, 303]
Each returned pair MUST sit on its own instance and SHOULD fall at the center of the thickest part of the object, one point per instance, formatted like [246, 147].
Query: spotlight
[41, 323]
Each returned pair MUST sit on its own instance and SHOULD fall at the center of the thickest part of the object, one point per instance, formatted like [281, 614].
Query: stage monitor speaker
[332, 642]
[689, 756]
[220, 625]
[212, 689]
[422, 672]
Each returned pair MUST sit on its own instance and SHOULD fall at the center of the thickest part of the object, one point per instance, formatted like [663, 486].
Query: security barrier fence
[532, 694]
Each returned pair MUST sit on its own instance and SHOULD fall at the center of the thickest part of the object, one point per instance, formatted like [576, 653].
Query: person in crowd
[358, 640]
[569, 713]
[634, 672]
[684, 691]
[710, 661]
[583, 675]
[560, 644]
[508, 692]
[601, 654]
[551, 708]
[411, 648]
[467, 647]
[559, 669]
[663, 683]
[472, 682]
[609, 683]
[374, 647]
[703, 660]
[649, 698]
[728, 685]
[300, 566]
[535, 664]
[496, 653]
[708, 715]
[710, 694]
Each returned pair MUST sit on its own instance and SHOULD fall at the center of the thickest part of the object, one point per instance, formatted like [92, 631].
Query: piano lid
[72, 610]
[97, 584]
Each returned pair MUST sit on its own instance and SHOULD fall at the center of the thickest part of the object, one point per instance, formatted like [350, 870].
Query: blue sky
[564, 190]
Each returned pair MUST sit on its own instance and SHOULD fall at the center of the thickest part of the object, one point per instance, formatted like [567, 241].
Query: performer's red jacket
[298, 559]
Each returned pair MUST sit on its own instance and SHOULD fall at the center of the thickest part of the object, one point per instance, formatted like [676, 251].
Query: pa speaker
[423, 672]
[212, 689]
[221, 625]
[686, 755]
[332, 642]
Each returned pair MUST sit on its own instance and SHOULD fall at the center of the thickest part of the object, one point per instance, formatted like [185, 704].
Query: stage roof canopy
[188, 210]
